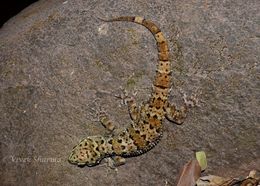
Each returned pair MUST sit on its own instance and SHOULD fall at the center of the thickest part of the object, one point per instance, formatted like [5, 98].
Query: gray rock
[59, 62]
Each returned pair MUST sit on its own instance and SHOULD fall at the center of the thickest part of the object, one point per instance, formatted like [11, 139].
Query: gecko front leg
[133, 109]
[115, 161]
[106, 122]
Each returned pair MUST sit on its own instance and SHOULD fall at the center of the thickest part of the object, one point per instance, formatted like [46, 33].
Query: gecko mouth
[76, 162]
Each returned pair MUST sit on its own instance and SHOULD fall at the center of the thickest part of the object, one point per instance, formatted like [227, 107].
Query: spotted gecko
[146, 128]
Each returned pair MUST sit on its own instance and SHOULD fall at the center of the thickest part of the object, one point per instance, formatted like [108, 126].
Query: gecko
[145, 129]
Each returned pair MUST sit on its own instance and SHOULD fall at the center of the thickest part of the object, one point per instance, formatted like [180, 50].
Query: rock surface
[59, 62]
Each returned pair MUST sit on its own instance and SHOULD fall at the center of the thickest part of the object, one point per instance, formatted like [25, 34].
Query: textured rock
[58, 63]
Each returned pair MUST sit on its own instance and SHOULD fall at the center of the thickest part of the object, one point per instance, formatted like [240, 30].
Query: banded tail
[162, 80]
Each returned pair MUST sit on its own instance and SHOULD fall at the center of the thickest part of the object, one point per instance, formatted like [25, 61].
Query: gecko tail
[162, 79]
[162, 45]
[153, 28]
[123, 18]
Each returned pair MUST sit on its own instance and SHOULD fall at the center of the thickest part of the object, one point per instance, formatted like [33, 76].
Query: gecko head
[86, 153]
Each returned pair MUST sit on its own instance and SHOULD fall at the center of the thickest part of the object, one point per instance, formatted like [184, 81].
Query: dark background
[10, 8]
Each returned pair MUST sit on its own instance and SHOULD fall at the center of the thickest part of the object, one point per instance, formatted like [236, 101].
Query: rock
[59, 62]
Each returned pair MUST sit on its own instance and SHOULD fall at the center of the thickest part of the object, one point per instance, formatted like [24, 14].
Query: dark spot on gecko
[136, 144]
[155, 116]
[119, 141]
[122, 134]
[161, 86]
[137, 132]
[123, 147]
[163, 59]
[110, 141]
[131, 137]
[102, 141]
[132, 19]
[143, 136]
[151, 127]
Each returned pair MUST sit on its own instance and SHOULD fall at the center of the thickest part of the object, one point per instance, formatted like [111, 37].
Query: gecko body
[146, 128]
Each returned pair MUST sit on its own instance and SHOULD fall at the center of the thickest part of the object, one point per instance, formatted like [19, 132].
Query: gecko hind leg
[178, 115]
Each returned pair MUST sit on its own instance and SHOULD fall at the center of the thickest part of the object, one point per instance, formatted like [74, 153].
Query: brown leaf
[212, 180]
[189, 174]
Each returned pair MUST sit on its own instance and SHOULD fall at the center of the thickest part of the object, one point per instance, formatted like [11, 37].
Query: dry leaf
[212, 180]
[189, 173]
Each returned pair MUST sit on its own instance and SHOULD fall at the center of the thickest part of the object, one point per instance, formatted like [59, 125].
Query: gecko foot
[190, 101]
[178, 115]
[115, 161]
[103, 118]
